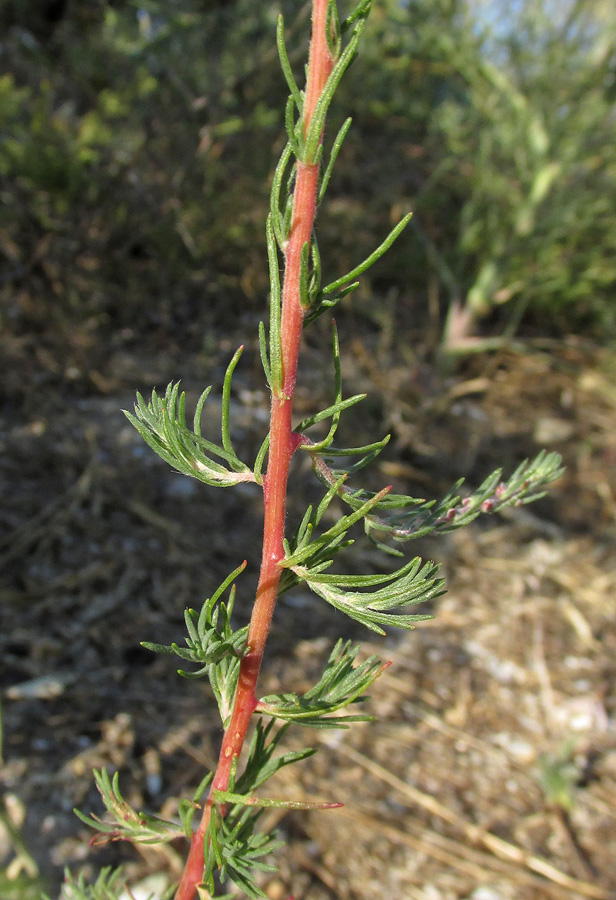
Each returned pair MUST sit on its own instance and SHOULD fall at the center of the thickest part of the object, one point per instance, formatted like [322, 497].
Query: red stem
[283, 443]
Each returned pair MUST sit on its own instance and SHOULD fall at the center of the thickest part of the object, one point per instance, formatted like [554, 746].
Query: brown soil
[491, 771]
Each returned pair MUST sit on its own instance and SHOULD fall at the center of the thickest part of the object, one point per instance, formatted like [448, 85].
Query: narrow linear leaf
[262, 763]
[333, 156]
[263, 353]
[413, 583]
[293, 128]
[337, 531]
[362, 10]
[277, 216]
[286, 65]
[270, 803]
[315, 129]
[342, 683]
[326, 414]
[315, 276]
[370, 260]
[303, 275]
[275, 355]
[324, 304]
[332, 28]
[260, 458]
[226, 400]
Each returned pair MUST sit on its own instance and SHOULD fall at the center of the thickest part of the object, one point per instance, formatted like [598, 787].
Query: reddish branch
[283, 443]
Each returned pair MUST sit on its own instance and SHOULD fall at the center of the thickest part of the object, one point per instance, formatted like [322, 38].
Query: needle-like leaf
[162, 425]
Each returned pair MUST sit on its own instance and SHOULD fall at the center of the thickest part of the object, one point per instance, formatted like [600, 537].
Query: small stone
[276, 890]
[552, 430]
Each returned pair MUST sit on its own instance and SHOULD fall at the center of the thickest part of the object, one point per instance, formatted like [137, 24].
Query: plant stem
[283, 443]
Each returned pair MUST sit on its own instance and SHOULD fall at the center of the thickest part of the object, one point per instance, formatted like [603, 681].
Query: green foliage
[412, 583]
[233, 847]
[559, 776]
[213, 645]
[107, 886]
[162, 425]
[208, 643]
[412, 518]
[341, 684]
[261, 763]
[20, 887]
[126, 823]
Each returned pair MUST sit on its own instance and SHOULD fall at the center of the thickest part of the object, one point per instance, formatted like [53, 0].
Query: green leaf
[270, 802]
[108, 886]
[415, 519]
[331, 537]
[315, 128]
[162, 425]
[333, 156]
[277, 217]
[286, 65]
[259, 459]
[261, 763]
[370, 260]
[293, 128]
[275, 354]
[187, 808]
[361, 11]
[303, 275]
[413, 583]
[332, 29]
[211, 638]
[226, 400]
[234, 848]
[127, 824]
[264, 362]
[341, 684]
[321, 304]
[315, 275]
[336, 409]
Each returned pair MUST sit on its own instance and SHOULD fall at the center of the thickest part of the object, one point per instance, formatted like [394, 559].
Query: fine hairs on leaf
[220, 825]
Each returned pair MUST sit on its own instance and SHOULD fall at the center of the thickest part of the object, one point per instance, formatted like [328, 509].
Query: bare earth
[491, 771]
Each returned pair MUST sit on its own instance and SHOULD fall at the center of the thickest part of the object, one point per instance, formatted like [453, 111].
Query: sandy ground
[491, 771]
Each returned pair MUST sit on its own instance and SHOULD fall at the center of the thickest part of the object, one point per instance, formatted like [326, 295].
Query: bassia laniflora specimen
[220, 822]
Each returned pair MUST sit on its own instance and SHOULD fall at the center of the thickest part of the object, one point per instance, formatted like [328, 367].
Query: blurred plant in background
[137, 146]
[506, 118]
[19, 874]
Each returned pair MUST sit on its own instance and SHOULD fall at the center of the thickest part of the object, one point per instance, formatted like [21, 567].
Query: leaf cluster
[107, 886]
[126, 824]
[305, 146]
[162, 425]
[404, 522]
[402, 518]
[212, 644]
[341, 684]
[234, 848]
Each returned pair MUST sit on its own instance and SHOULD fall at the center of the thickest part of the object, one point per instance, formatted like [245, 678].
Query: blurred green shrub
[511, 109]
[136, 149]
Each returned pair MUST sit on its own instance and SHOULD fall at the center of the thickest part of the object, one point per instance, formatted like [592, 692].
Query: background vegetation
[138, 140]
